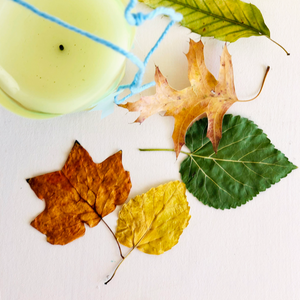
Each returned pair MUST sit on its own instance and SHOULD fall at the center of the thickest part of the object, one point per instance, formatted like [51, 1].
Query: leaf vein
[211, 179]
[233, 143]
[244, 184]
[214, 15]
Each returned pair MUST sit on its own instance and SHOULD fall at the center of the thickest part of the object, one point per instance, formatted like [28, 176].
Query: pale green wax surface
[41, 77]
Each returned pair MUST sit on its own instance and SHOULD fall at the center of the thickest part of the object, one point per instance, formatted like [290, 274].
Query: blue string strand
[134, 19]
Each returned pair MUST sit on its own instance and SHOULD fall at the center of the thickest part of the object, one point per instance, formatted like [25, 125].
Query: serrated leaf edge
[272, 182]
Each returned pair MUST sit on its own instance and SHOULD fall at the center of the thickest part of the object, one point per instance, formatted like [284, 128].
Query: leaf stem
[121, 254]
[153, 149]
[262, 85]
[287, 53]
[162, 149]
[116, 269]
[94, 209]
[134, 246]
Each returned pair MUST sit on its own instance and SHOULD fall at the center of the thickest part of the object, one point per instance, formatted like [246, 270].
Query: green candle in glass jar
[47, 70]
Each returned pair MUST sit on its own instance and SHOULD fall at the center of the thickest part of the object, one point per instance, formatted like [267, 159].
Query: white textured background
[252, 252]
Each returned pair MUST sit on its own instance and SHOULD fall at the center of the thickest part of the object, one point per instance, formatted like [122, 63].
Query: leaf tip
[76, 143]
[215, 147]
[120, 152]
[28, 179]
[177, 152]
[33, 223]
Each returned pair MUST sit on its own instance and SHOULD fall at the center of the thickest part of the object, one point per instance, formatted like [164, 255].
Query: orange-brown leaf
[82, 192]
[206, 97]
[63, 219]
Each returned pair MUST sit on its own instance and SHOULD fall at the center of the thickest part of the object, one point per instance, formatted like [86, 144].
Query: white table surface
[251, 252]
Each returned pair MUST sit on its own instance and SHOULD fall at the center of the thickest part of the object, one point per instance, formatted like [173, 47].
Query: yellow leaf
[154, 221]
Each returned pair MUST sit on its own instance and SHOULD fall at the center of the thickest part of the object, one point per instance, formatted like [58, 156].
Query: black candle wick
[61, 47]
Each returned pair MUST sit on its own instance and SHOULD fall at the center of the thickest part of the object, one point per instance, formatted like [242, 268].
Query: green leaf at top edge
[226, 20]
[246, 163]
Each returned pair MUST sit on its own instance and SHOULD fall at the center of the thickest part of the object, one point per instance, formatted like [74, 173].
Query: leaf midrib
[217, 16]
[150, 227]
[232, 161]
[154, 218]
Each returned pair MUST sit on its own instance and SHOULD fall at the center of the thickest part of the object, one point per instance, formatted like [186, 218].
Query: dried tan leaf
[206, 97]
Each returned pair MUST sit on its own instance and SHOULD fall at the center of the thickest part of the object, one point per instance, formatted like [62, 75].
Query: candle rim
[15, 106]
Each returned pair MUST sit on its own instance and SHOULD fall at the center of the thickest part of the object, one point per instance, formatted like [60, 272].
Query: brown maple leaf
[82, 192]
[206, 97]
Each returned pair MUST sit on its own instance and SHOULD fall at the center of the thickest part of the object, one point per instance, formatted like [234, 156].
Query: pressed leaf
[63, 219]
[246, 164]
[103, 185]
[206, 97]
[82, 192]
[226, 20]
[154, 221]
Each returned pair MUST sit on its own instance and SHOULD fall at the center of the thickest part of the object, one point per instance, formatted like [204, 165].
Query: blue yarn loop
[134, 19]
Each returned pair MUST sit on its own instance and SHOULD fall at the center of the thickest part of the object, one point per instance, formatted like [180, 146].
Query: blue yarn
[134, 19]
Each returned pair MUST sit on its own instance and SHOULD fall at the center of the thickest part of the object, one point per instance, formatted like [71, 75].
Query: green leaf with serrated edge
[226, 20]
[246, 163]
